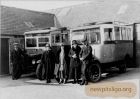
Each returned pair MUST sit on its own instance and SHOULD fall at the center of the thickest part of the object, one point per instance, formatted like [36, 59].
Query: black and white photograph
[82, 49]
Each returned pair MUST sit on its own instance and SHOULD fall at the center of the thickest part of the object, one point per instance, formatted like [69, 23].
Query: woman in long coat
[48, 60]
[75, 69]
[62, 60]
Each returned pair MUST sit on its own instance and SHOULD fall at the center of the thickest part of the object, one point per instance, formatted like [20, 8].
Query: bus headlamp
[33, 61]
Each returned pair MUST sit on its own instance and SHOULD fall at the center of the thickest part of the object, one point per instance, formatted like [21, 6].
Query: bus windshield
[42, 41]
[31, 42]
[77, 36]
[92, 35]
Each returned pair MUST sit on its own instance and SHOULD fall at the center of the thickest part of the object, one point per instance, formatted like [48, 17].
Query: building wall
[6, 48]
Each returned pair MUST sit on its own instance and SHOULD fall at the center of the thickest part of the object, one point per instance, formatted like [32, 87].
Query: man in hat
[17, 61]
[48, 60]
[85, 57]
[74, 62]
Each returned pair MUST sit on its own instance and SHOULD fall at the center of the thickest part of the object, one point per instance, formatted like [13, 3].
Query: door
[4, 56]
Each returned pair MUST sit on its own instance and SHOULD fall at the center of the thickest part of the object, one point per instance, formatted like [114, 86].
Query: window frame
[31, 38]
[120, 35]
[43, 42]
[112, 36]
[99, 32]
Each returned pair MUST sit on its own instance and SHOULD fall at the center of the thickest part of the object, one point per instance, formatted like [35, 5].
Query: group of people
[58, 64]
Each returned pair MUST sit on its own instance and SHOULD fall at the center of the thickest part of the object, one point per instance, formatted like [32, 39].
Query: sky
[40, 5]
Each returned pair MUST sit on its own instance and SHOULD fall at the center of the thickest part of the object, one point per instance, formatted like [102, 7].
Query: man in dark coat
[17, 61]
[48, 60]
[85, 57]
[74, 62]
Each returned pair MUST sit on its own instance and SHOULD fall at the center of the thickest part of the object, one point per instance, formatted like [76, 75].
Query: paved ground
[28, 87]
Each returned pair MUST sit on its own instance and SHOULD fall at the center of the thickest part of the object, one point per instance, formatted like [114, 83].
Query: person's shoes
[14, 78]
[48, 81]
[86, 82]
[74, 81]
[65, 81]
[57, 79]
[60, 81]
[77, 81]
[82, 83]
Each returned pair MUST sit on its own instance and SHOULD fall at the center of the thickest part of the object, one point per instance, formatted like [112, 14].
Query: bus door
[108, 47]
[95, 42]
[119, 46]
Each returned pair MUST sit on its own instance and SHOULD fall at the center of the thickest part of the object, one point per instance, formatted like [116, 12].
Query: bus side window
[95, 36]
[57, 38]
[64, 37]
[53, 38]
[129, 34]
[87, 35]
[117, 33]
[108, 34]
[124, 34]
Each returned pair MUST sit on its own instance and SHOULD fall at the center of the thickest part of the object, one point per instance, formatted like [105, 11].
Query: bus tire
[123, 67]
[94, 72]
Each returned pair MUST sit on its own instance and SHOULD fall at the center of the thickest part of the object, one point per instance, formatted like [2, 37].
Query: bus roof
[97, 24]
[44, 30]
[38, 31]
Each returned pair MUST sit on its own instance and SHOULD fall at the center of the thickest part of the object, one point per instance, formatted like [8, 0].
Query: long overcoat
[75, 62]
[48, 60]
[17, 58]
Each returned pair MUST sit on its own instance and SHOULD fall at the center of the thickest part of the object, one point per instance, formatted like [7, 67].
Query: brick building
[14, 22]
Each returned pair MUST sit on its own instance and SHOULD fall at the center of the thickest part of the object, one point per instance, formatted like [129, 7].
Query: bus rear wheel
[94, 72]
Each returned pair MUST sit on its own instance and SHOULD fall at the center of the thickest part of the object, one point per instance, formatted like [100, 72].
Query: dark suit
[17, 58]
[74, 63]
[48, 60]
[86, 54]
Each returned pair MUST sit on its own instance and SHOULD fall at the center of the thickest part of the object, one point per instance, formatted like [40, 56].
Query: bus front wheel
[94, 72]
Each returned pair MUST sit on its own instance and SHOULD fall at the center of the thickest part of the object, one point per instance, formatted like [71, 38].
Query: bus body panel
[112, 50]
[35, 42]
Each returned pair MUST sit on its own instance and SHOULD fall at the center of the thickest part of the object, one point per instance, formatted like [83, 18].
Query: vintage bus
[112, 45]
[36, 40]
